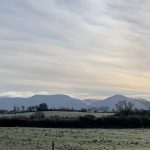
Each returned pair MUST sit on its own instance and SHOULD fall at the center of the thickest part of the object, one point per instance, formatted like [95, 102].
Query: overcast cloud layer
[84, 48]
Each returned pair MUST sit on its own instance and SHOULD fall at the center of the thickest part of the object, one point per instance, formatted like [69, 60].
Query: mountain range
[64, 101]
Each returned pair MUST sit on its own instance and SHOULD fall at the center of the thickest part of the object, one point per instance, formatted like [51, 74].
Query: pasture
[74, 139]
[49, 114]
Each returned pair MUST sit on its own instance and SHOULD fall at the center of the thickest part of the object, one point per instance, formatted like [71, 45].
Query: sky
[83, 48]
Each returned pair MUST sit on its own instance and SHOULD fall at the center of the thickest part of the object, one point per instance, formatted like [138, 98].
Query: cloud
[83, 48]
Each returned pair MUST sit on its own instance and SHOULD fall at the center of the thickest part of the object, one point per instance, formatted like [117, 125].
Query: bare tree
[23, 108]
[124, 108]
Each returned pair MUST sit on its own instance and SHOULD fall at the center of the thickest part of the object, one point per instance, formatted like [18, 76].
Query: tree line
[40, 107]
[79, 122]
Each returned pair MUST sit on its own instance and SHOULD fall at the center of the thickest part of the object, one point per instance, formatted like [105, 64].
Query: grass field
[74, 139]
[58, 113]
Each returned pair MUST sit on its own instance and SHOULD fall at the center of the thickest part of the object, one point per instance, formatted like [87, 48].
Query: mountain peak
[118, 96]
[55, 95]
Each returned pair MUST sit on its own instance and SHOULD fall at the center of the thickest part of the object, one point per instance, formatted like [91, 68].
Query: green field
[74, 139]
[49, 114]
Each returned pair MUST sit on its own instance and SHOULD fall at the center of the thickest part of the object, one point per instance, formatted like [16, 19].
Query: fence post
[53, 145]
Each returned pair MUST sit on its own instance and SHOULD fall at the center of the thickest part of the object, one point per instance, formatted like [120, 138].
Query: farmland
[74, 139]
[49, 114]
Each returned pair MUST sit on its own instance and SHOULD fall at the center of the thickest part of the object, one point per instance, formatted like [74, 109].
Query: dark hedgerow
[88, 121]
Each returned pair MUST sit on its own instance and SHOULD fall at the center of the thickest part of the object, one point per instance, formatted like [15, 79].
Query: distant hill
[112, 101]
[53, 101]
[63, 101]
